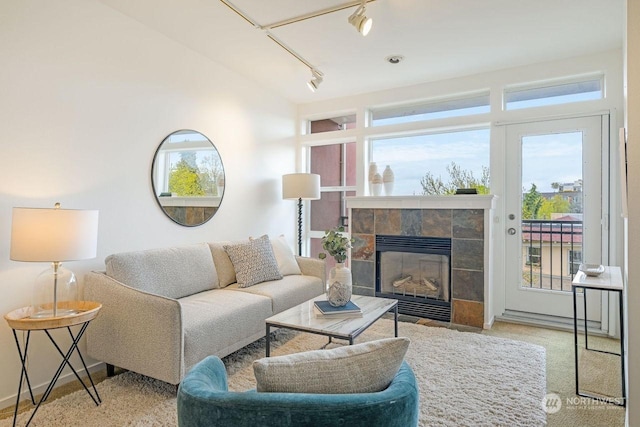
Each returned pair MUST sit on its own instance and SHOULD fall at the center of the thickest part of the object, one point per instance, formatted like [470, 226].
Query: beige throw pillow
[253, 261]
[285, 258]
[224, 266]
[362, 368]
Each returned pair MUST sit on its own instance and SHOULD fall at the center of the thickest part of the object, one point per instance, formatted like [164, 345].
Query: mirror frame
[157, 197]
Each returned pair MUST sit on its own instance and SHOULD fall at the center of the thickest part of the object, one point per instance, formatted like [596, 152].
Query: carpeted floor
[602, 373]
[466, 379]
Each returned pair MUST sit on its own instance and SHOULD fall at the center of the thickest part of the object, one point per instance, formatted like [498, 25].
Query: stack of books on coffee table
[322, 308]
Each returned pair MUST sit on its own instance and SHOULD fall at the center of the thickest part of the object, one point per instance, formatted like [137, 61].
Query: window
[575, 259]
[332, 124]
[533, 256]
[552, 94]
[476, 104]
[336, 165]
[435, 163]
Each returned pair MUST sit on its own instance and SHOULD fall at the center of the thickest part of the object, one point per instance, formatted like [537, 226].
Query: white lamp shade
[49, 235]
[304, 186]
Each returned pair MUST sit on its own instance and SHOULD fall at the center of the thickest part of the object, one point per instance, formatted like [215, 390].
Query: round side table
[81, 314]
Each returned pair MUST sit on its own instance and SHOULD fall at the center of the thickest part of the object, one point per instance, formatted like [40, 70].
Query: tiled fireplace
[462, 222]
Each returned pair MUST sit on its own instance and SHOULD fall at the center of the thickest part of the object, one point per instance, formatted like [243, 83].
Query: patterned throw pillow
[253, 261]
[362, 368]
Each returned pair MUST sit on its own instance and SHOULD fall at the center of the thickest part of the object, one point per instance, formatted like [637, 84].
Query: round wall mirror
[188, 177]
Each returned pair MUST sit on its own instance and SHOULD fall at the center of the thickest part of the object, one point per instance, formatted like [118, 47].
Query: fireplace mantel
[460, 201]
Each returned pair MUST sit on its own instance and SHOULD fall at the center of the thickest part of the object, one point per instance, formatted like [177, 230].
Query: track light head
[315, 81]
[360, 21]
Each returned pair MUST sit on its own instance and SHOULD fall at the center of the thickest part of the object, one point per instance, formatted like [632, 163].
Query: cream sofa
[164, 310]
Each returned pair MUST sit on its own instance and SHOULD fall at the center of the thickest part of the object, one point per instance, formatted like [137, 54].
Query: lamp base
[53, 290]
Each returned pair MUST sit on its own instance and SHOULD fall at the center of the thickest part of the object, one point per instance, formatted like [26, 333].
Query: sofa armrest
[135, 330]
[312, 267]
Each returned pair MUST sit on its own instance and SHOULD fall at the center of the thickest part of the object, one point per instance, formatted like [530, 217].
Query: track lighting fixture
[360, 21]
[315, 81]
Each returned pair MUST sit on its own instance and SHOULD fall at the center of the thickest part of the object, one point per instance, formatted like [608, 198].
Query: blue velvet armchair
[204, 400]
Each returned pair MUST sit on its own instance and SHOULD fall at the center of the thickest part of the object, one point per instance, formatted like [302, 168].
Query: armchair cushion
[360, 368]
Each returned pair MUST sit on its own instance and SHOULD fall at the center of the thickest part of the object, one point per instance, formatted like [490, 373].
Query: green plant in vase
[336, 244]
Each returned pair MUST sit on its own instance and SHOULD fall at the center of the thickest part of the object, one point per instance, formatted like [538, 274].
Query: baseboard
[10, 401]
[549, 322]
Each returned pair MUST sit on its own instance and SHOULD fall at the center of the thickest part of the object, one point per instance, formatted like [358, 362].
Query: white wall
[86, 96]
[632, 122]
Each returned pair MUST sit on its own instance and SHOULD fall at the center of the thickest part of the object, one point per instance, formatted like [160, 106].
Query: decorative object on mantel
[387, 179]
[376, 185]
[53, 235]
[467, 191]
[336, 245]
[373, 170]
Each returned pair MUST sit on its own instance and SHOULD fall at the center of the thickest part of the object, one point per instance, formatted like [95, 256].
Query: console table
[82, 312]
[611, 281]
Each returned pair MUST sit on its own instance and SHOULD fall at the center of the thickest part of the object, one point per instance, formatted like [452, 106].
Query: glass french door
[554, 211]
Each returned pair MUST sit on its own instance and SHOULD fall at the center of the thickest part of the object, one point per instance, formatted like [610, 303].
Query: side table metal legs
[65, 362]
[613, 400]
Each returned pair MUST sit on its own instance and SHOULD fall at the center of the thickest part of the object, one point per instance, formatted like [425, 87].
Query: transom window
[552, 94]
[476, 104]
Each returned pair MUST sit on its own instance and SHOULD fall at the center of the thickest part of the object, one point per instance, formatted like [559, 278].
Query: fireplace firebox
[416, 271]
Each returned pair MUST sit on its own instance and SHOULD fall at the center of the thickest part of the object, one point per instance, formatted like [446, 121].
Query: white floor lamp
[300, 186]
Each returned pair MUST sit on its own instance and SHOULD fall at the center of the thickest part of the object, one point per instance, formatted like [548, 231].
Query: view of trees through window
[536, 205]
[437, 163]
[458, 178]
[194, 173]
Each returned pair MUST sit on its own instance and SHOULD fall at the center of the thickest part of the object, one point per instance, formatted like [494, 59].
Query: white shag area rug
[465, 379]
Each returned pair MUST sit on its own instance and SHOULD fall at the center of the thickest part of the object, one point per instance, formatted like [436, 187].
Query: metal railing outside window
[556, 248]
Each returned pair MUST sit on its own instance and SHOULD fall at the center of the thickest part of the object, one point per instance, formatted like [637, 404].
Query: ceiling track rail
[293, 20]
[315, 14]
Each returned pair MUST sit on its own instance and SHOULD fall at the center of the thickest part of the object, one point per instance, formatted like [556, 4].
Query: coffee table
[303, 318]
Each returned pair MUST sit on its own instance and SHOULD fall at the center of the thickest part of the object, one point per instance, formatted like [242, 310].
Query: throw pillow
[362, 368]
[224, 266]
[285, 258]
[253, 261]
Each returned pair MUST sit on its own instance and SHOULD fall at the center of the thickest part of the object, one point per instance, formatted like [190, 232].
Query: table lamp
[300, 186]
[53, 235]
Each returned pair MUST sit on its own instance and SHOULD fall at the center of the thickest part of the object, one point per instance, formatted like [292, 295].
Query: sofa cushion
[291, 290]
[253, 261]
[170, 272]
[362, 368]
[216, 320]
[285, 258]
[224, 266]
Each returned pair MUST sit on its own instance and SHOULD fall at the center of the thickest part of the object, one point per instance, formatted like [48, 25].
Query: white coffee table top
[303, 317]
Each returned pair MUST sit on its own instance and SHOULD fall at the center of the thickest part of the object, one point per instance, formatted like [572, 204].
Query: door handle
[511, 231]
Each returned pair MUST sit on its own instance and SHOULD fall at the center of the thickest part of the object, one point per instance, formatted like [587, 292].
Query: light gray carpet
[466, 379]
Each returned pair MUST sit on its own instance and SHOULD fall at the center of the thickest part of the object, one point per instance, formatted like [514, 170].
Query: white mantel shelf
[460, 201]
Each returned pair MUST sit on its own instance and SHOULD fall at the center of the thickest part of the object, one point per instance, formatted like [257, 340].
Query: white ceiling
[439, 38]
